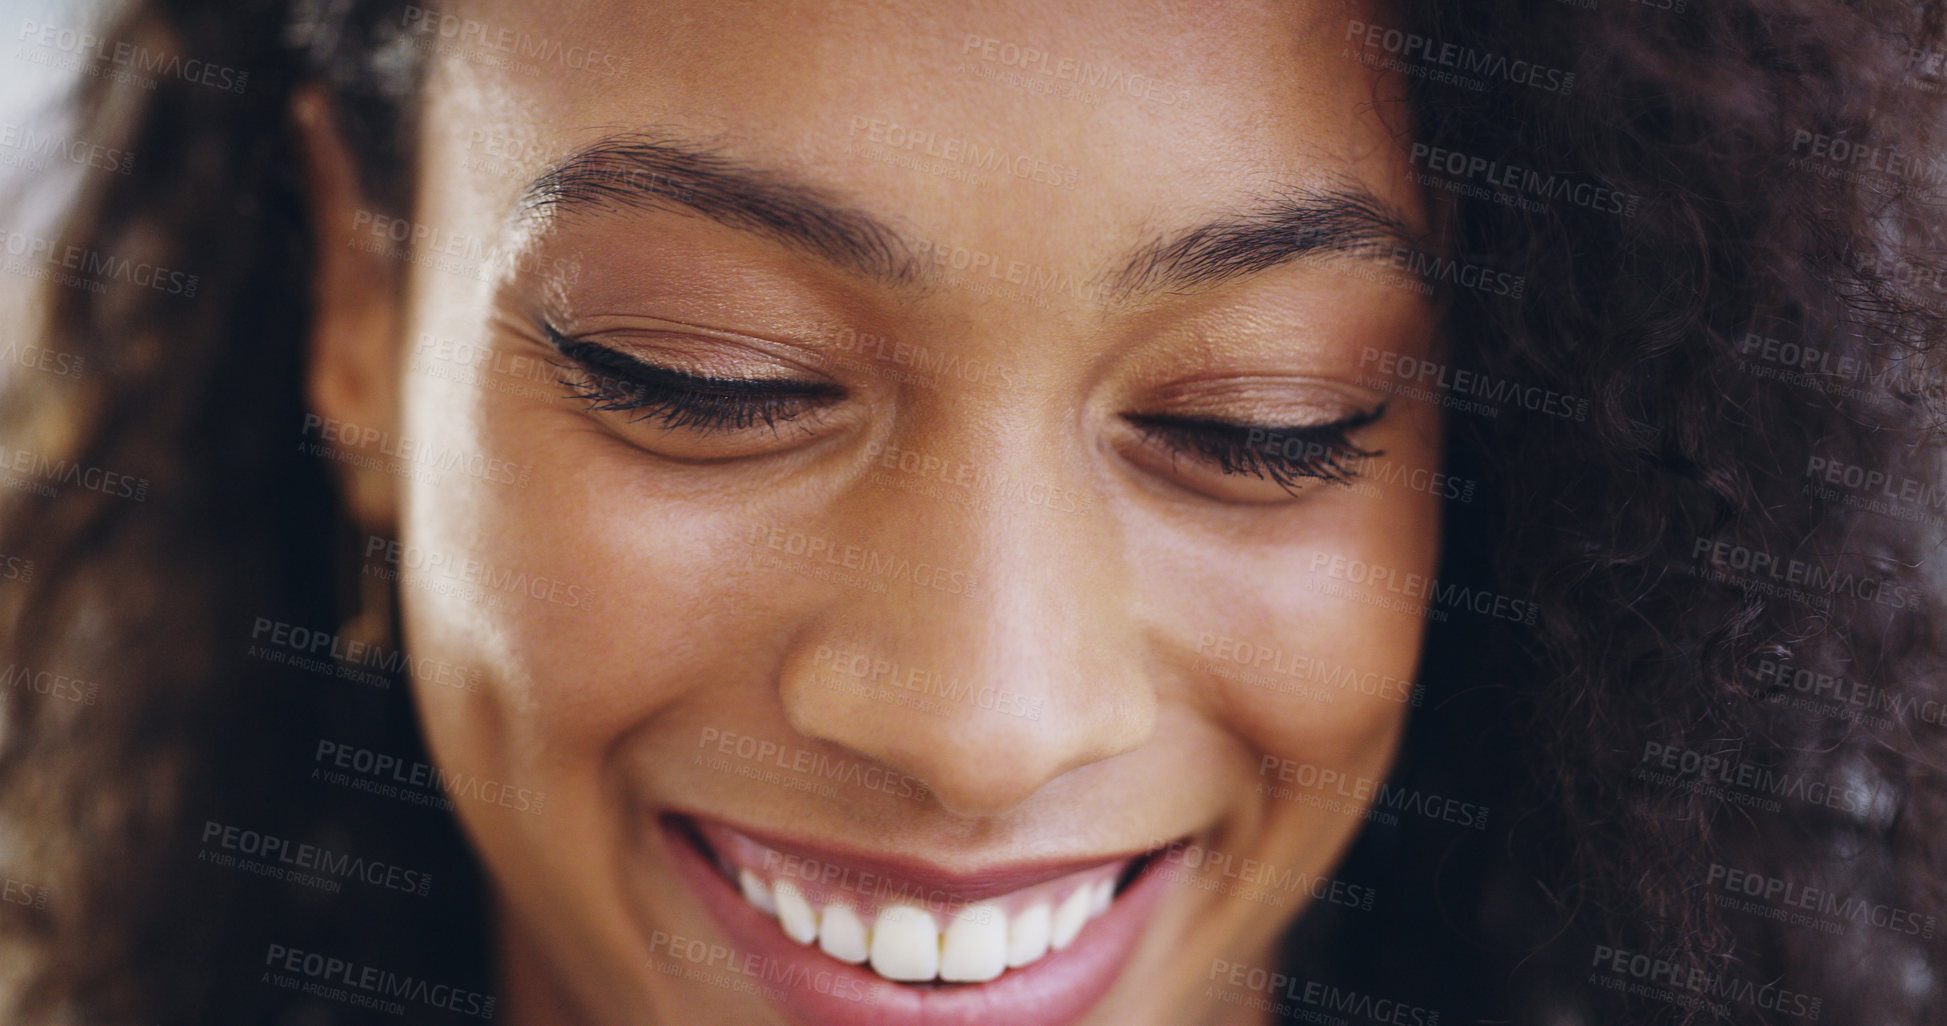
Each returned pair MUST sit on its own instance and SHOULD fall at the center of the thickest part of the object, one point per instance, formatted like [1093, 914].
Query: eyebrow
[643, 171]
[1300, 223]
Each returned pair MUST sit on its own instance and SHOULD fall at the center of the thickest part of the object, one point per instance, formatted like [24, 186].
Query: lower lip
[821, 991]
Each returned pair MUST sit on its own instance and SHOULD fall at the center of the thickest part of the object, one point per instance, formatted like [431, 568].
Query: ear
[351, 363]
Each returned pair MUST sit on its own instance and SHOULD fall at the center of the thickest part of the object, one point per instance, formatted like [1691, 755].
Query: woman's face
[910, 545]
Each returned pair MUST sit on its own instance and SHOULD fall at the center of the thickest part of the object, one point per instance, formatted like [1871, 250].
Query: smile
[907, 930]
[1031, 944]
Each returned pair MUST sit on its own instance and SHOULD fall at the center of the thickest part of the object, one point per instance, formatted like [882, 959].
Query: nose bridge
[1004, 657]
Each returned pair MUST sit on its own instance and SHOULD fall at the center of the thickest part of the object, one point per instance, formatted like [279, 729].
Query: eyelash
[1326, 452]
[674, 399]
[610, 381]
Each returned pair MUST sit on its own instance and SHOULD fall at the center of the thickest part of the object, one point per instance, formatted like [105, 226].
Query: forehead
[1046, 129]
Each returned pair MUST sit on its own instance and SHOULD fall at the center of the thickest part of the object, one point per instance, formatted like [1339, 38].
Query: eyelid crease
[1182, 422]
[781, 347]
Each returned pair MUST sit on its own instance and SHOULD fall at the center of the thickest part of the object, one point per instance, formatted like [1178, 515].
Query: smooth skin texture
[1059, 561]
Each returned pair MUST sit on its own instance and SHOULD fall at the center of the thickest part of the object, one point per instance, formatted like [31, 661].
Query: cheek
[588, 599]
[1313, 647]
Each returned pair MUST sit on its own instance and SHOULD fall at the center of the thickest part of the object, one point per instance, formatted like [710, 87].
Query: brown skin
[1096, 614]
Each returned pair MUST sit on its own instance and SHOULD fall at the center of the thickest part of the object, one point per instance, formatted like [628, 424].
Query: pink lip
[812, 989]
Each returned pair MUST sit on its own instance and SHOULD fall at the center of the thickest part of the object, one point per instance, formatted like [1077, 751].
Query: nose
[1003, 651]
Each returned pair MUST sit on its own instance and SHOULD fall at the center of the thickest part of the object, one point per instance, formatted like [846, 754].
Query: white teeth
[1027, 935]
[975, 948]
[1069, 918]
[905, 944]
[756, 892]
[794, 913]
[841, 935]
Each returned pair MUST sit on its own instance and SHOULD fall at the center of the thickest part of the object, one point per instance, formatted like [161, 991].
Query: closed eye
[1285, 456]
[675, 400]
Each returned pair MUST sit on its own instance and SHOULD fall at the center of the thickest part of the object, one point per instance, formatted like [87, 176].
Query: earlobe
[351, 368]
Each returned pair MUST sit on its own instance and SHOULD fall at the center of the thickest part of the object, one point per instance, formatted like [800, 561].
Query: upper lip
[966, 886]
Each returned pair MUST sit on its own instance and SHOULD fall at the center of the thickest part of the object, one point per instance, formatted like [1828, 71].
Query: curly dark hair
[1735, 672]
